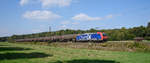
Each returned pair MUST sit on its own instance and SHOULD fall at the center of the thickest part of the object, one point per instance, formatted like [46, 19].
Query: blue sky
[33, 16]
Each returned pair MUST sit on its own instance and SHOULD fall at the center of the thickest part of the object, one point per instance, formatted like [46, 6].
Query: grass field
[26, 53]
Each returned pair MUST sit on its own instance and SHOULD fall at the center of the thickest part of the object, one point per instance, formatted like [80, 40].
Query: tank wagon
[69, 37]
[99, 36]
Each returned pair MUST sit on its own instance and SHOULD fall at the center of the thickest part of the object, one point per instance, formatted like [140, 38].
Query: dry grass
[108, 46]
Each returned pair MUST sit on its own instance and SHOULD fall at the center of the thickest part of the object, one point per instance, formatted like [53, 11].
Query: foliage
[113, 34]
[2, 39]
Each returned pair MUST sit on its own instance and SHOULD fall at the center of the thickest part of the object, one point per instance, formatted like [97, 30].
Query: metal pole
[49, 28]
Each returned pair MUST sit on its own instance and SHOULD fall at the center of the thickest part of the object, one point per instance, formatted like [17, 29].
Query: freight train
[98, 37]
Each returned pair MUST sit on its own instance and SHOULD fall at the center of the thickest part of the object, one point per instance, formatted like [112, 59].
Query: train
[98, 37]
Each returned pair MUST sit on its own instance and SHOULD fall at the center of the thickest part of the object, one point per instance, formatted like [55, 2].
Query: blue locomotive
[99, 36]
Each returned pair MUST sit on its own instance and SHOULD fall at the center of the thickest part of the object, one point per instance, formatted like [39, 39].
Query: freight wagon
[99, 36]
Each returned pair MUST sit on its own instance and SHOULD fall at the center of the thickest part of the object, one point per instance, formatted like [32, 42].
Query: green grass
[26, 53]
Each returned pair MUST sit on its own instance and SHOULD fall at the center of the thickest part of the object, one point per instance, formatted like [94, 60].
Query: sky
[34, 16]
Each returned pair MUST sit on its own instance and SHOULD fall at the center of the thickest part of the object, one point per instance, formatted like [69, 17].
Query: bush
[147, 38]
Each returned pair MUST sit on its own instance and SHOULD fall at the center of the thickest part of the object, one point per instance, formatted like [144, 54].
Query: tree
[148, 26]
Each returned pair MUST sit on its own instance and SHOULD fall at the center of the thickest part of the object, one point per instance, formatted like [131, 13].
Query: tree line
[113, 34]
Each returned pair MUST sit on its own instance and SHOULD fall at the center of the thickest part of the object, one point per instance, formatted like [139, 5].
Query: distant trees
[3, 39]
[113, 34]
[119, 34]
[148, 26]
[148, 32]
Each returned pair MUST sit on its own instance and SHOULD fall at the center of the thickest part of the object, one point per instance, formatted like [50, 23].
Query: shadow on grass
[9, 56]
[13, 48]
[88, 61]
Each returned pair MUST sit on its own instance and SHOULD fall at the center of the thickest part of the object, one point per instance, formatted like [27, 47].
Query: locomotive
[99, 36]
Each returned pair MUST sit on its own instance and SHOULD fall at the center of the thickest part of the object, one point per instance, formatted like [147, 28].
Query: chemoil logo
[85, 37]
